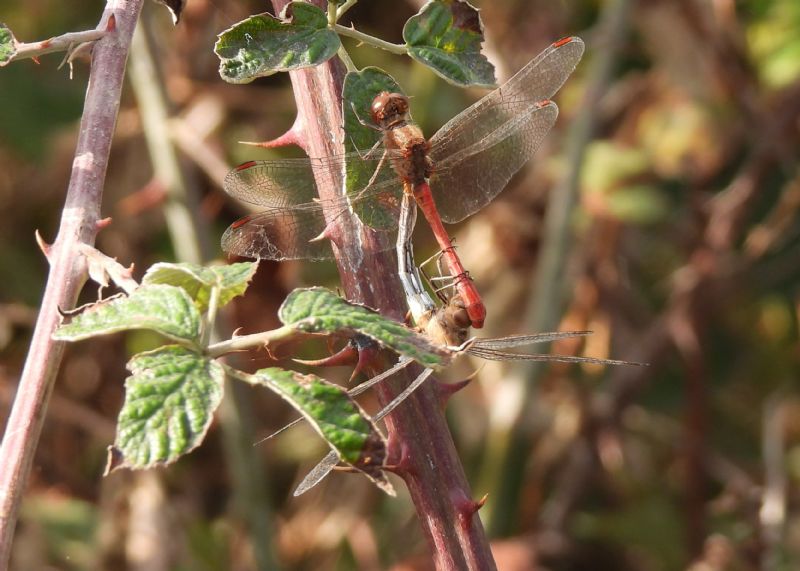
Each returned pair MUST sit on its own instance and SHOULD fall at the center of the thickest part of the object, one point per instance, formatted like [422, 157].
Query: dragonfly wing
[287, 232]
[468, 180]
[279, 234]
[273, 183]
[487, 128]
[540, 79]
[290, 182]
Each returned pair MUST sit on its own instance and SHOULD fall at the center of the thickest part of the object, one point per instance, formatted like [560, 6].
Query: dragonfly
[446, 323]
[450, 177]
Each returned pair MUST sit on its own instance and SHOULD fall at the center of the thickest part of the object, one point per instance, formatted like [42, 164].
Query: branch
[399, 49]
[79, 224]
[66, 42]
[417, 429]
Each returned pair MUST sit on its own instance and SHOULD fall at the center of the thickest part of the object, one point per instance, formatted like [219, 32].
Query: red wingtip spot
[544, 103]
[563, 42]
[245, 166]
[241, 222]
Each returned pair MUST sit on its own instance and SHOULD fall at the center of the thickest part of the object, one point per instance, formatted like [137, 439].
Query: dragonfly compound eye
[389, 108]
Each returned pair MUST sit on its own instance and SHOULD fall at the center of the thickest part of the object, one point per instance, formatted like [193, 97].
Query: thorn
[36, 60]
[326, 233]
[43, 246]
[127, 272]
[115, 460]
[447, 390]
[367, 355]
[349, 355]
[403, 467]
[272, 356]
[467, 507]
[111, 25]
[296, 135]
[329, 233]
[103, 223]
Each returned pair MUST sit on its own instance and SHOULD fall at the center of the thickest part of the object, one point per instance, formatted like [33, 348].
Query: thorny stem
[331, 13]
[418, 431]
[67, 267]
[65, 42]
[370, 40]
[249, 341]
[345, 57]
[344, 8]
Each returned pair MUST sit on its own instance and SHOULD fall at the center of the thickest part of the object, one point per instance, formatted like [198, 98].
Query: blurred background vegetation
[685, 255]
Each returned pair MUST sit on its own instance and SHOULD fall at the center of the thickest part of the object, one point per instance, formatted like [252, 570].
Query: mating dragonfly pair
[449, 177]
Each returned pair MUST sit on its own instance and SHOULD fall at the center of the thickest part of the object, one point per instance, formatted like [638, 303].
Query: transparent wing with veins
[477, 152]
[293, 214]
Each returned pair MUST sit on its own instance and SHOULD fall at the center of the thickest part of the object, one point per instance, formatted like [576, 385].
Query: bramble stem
[417, 429]
[67, 266]
[344, 8]
[249, 341]
[64, 42]
[399, 49]
[345, 57]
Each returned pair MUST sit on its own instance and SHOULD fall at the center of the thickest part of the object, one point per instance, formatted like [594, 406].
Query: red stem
[429, 463]
[79, 224]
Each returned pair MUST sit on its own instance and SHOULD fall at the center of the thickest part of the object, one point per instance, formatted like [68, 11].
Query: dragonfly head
[389, 109]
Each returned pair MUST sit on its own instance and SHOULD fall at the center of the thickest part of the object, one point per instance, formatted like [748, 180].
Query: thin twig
[243, 342]
[399, 49]
[66, 42]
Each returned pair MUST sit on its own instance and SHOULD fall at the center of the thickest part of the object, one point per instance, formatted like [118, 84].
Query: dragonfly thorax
[389, 109]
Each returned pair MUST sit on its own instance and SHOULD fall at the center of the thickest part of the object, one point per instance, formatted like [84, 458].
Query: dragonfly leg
[374, 175]
[370, 152]
[369, 124]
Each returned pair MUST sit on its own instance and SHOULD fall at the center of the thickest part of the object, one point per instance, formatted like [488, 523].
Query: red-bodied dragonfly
[455, 174]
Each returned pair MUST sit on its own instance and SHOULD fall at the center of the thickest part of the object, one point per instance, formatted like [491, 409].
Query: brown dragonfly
[451, 176]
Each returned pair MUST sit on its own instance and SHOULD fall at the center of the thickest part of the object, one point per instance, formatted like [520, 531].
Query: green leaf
[359, 89]
[446, 36]
[319, 310]
[262, 45]
[198, 281]
[170, 399]
[334, 415]
[162, 308]
[8, 45]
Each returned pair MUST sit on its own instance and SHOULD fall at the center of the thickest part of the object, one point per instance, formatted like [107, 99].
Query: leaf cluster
[173, 391]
